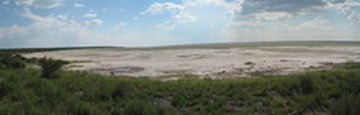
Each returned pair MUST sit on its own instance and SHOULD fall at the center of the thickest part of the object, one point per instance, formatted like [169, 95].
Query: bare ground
[216, 62]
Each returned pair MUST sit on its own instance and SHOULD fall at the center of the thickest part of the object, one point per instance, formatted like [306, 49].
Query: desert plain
[210, 60]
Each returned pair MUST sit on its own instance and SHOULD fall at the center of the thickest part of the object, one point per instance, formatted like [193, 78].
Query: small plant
[50, 66]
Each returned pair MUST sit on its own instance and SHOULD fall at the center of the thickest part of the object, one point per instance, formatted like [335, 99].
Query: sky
[133, 23]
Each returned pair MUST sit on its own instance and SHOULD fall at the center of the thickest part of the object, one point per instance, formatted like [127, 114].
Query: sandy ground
[215, 62]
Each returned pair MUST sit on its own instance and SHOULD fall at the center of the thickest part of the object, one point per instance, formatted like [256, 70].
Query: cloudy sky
[59, 23]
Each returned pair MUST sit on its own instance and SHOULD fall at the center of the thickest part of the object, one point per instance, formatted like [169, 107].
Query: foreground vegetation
[27, 91]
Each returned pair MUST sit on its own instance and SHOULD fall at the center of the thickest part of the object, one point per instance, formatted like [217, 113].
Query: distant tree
[50, 66]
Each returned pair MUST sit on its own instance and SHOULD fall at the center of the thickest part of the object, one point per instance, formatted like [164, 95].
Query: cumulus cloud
[90, 15]
[181, 13]
[260, 19]
[221, 3]
[177, 12]
[346, 7]
[47, 4]
[96, 22]
[158, 8]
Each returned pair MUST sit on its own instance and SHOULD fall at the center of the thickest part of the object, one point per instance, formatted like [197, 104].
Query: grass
[24, 91]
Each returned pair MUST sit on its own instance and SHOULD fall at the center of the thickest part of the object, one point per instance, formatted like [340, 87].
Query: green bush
[50, 66]
[12, 61]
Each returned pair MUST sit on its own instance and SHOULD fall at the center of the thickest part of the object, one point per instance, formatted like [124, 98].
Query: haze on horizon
[61, 23]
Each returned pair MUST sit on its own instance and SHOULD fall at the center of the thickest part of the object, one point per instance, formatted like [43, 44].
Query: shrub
[11, 61]
[50, 66]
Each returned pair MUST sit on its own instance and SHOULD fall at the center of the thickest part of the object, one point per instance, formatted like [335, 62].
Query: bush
[50, 66]
[11, 61]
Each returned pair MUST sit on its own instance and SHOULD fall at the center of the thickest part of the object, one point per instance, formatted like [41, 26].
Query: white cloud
[50, 31]
[258, 19]
[47, 4]
[90, 15]
[317, 24]
[97, 21]
[184, 18]
[181, 13]
[61, 30]
[92, 22]
[221, 3]
[78, 5]
[158, 8]
[353, 15]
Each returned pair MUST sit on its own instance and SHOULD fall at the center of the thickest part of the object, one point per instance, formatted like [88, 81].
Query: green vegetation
[25, 91]
[50, 66]
[12, 61]
[16, 61]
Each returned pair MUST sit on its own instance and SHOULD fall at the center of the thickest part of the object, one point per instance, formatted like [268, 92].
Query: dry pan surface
[232, 61]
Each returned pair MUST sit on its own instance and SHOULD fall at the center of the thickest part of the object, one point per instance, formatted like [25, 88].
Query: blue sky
[60, 23]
